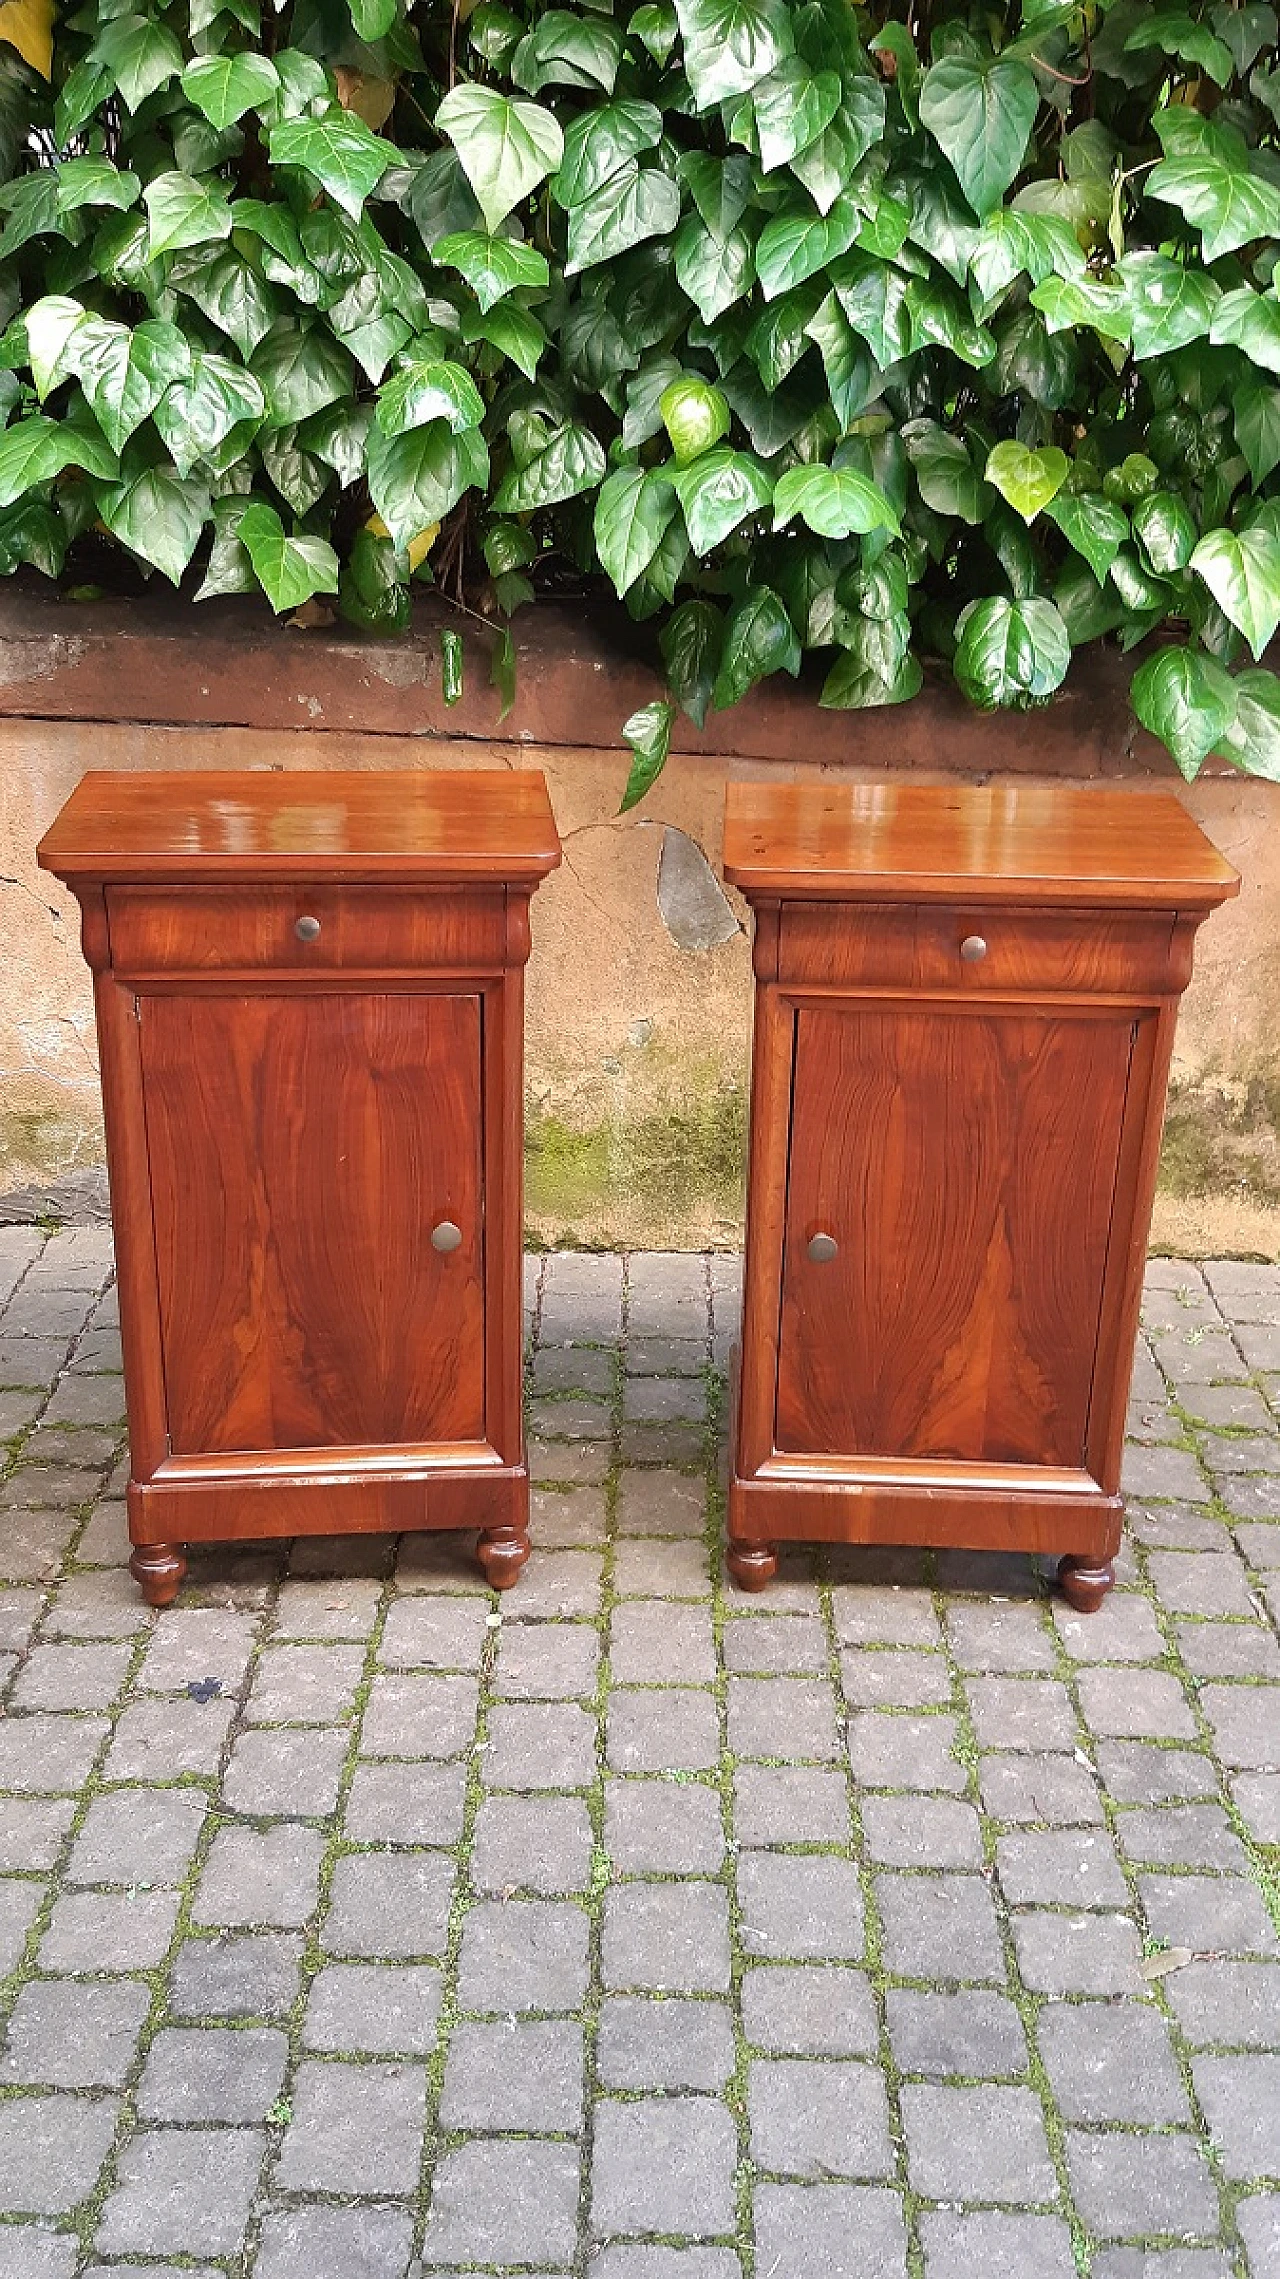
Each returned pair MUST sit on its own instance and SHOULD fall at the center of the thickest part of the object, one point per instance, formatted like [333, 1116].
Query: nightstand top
[429, 825]
[1018, 843]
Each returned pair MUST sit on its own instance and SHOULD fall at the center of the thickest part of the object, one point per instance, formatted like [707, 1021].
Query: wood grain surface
[301, 1151]
[965, 1164]
[1046, 843]
[447, 824]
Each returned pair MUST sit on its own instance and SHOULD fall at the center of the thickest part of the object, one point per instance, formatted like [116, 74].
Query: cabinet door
[302, 1147]
[965, 1164]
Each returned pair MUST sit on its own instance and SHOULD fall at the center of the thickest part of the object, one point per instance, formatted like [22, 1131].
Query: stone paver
[900, 1920]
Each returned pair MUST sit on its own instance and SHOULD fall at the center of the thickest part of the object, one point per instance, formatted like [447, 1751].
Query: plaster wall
[637, 1043]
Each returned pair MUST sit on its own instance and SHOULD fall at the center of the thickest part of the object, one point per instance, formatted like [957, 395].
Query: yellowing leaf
[418, 548]
[372, 100]
[28, 26]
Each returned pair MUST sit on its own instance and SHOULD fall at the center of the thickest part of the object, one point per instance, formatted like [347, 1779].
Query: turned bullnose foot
[502, 1552]
[1084, 1583]
[752, 1565]
[157, 1569]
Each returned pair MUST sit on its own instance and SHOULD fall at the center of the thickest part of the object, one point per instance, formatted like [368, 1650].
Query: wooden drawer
[863, 945]
[236, 929]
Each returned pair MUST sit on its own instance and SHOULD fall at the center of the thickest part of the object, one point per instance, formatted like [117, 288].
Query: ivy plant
[887, 333]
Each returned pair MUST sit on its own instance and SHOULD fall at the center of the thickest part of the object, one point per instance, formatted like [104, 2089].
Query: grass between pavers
[965, 1752]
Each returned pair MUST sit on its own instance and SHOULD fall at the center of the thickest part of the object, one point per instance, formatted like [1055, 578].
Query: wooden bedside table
[964, 1014]
[309, 994]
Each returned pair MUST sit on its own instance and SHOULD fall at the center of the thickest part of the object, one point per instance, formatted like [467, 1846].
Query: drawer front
[964, 947]
[303, 929]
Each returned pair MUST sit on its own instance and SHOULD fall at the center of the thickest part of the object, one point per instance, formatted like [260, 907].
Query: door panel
[301, 1150]
[965, 1164]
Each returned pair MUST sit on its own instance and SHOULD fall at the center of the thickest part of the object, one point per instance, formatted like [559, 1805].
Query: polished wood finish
[309, 993]
[964, 1016]
[1029, 844]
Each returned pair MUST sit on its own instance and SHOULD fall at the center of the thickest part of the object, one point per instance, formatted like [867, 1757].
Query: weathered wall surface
[639, 986]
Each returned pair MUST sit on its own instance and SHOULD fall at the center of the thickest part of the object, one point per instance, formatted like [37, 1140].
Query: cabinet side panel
[302, 1149]
[119, 1039]
[965, 1165]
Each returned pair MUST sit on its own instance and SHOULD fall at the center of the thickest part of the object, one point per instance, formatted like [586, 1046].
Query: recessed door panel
[302, 1149]
[964, 1166]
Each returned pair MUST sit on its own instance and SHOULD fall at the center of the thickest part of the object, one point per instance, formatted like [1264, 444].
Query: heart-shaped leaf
[505, 147]
[718, 492]
[1011, 651]
[1186, 700]
[1027, 479]
[836, 502]
[980, 115]
[1241, 568]
[289, 570]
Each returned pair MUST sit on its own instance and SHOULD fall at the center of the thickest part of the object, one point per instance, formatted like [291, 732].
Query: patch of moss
[693, 1156]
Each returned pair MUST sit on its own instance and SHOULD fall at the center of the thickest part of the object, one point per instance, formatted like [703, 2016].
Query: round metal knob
[822, 1247]
[972, 948]
[446, 1236]
[306, 929]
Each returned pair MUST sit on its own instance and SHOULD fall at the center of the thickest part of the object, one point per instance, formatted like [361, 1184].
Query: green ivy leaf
[714, 271]
[514, 331]
[1251, 321]
[94, 182]
[944, 471]
[1220, 195]
[853, 685]
[1176, 33]
[1027, 479]
[124, 373]
[50, 326]
[36, 449]
[141, 56]
[980, 115]
[598, 144]
[417, 478]
[798, 242]
[1257, 428]
[657, 28]
[695, 416]
[852, 377]
[1252, 740]
[230, 294]
[836, 502]
[691, 642]
[1094, 526]
[505, 147]
[159, 517]
[201, 408]
[568, 461]
[1166, 532]
[492, 266]
[759, 639]
[566, 50]
[345, 156]
[637, 204]
[1013, 244]
[873, 296]
[730, 45]
[1187, 701]
[791, 108]
[224, 87]
[633, 510]
[718, 492]
[1169, 305]
[184, 211]
[420, 393]
[289, 570]
[648, 732]
[301, 369]
[1242, 571]
[1010, 652]
[1070, 302]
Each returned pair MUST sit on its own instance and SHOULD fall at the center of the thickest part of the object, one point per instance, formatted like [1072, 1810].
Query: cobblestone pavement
[897, 1922]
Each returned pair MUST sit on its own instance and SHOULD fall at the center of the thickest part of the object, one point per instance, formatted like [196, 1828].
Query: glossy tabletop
[1002, 843]
[421, 825]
